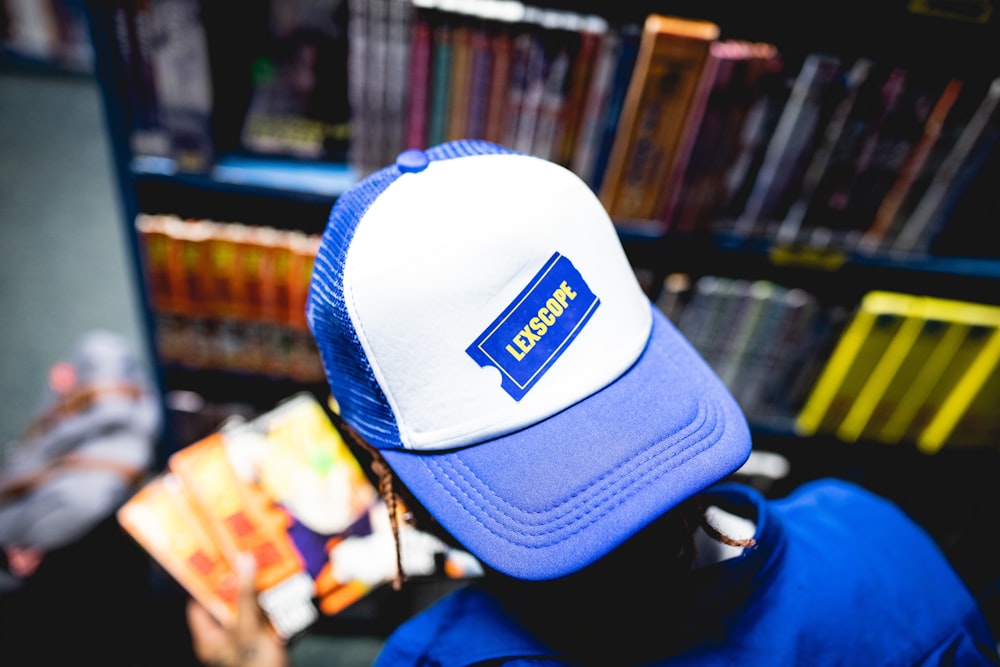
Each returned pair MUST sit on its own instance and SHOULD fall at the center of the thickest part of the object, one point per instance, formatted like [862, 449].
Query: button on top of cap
[412, 160]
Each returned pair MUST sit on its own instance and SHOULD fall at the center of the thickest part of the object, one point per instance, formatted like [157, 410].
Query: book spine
[802, 115]
[671, 59]
[927, 216]
[782, 339]
[707, 295]
[773, 84]
[437, 121]
[968, 415]
[625, 59]
[673, 296]
[400, 32]
[460, 78]
[873, 390]
[751, 321]
[528, 82]
[592, 30]
[418, 99]
[154, 241]
[360, 151]
[502, 53]
[479, 84]
[585, 143]
[860, 346]
[826, 206]
[940, 336]
[702, 192]
[790, 227]
[969, 98]
[898, 137]
[376, 84]
[562, 44]
[694, 121]
[907, 173]
[182, 78]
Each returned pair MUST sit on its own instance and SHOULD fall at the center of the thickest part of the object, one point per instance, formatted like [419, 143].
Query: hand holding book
[250, 641]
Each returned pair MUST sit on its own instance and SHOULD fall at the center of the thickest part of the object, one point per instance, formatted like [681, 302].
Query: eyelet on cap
[412, 161]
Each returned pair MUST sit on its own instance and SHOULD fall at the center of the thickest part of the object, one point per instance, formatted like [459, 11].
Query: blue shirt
[839, 576]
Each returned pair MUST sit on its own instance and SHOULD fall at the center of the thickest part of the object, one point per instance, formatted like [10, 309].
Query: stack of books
[230, 296]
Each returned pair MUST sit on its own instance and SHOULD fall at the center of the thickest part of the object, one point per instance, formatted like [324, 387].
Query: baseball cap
[480, 325]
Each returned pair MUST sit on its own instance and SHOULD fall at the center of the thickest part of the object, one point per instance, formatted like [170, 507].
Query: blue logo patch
[531, 333]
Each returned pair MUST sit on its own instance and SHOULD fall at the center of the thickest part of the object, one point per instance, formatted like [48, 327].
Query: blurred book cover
[299, 101]
[285, 488]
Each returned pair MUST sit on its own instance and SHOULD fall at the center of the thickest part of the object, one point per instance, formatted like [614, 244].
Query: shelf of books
[768, 187]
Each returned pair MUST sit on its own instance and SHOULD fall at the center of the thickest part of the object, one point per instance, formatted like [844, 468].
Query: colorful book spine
[673, 296]
[668, 70]
[968, 416]
[898, 136]
[625, 55]
[418, 86]
[528, 81]
[860, 346]
[694, 120]
[437, 121]
[953, 333]
[876, 97]
[460, 77]
[907, 173]
[479, 82]
[155, 254]
[585, 144]
[929, 214]
[875, 395]
[970, 98]
[702, 192]
[592, 30]
[502, 53]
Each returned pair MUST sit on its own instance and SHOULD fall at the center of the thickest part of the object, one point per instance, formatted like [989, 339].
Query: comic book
[285, 488]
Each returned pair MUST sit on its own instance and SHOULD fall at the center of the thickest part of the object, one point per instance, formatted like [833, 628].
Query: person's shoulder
[466, 627]
[833, 494]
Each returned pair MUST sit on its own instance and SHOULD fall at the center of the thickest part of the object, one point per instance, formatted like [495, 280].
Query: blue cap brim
[552, 498]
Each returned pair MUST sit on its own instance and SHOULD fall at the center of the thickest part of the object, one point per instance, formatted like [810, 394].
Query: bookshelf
[231, 179]
[228, 180]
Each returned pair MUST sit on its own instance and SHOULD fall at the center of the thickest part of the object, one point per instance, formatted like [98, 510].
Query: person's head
[481, 327]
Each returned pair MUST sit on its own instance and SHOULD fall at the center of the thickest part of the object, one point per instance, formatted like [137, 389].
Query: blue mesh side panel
[350, 376]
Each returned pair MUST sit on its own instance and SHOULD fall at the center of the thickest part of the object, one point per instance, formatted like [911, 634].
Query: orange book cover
[187, 263]
[303, 254]
[220, 269]
[162, 518]
[155, 245]
[668, 70]
[286, 489]
[269, 241]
